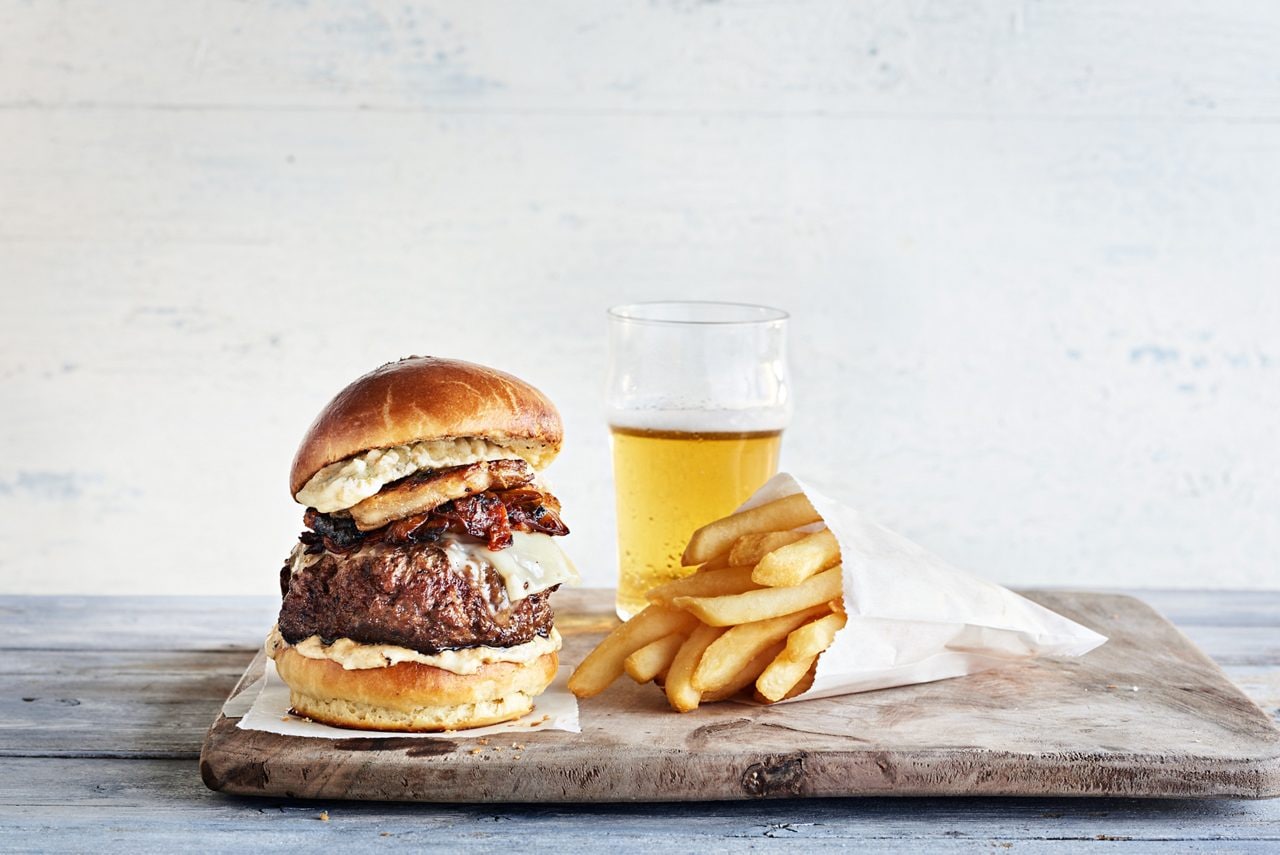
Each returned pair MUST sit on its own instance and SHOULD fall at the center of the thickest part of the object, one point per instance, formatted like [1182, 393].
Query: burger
[417, 597]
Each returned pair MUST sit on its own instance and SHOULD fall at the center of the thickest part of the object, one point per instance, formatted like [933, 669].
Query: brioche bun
[429, 398]
[411, 696]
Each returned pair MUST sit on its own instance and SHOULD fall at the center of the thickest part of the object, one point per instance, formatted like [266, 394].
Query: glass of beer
[697, 402]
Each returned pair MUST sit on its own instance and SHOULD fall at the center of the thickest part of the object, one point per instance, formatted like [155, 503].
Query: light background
[1031, 250]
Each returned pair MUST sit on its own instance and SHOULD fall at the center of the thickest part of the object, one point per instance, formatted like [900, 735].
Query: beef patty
[408, 595]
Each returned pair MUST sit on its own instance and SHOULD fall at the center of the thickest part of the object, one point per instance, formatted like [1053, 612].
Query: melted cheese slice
[532, 563]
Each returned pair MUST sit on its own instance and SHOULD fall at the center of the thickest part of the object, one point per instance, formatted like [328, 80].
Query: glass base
[628, 608]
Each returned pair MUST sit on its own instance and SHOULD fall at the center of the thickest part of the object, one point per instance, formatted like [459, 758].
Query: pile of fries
[764, 603]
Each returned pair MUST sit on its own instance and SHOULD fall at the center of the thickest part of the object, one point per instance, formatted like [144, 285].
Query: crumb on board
[484, 740]
[477, 751]
[519, 746]
[324, 816]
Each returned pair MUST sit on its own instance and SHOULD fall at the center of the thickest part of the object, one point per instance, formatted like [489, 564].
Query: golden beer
[670, 483]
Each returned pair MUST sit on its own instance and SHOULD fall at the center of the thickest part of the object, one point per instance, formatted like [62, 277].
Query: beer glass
[697, 402]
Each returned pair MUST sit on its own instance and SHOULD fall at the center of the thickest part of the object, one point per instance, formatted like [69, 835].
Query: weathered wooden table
[105, 701]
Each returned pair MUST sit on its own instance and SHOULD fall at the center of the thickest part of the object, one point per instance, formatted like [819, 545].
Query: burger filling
[490, 516]
[475, 571]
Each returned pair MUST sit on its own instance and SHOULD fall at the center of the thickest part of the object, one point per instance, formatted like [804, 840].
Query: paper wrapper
[913, 618]
[265, 706]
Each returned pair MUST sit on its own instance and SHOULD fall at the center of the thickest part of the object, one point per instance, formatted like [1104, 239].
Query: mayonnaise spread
[354, 656]
[344, 484]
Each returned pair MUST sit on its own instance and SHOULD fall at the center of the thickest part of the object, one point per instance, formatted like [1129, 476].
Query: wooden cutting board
[1147, 714]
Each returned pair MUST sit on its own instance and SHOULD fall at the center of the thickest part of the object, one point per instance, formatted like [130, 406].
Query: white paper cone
[913, 618]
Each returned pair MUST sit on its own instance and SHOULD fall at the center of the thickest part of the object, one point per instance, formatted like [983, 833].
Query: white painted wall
[1031, 251]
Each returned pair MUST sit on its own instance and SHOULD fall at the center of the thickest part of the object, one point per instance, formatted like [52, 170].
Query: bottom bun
[358, 716]
[411, 696]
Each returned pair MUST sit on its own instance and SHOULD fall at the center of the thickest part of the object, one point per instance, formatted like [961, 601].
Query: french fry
[750, 548]
[782, 675]
[605, 664]
[716, 583]
[738, 645]
[779, 515]
[765, 603]
[681, 694]
[744, 678]
[813, 638]
[654, 658]
[803, 685]
[804, 645]
[793, 563]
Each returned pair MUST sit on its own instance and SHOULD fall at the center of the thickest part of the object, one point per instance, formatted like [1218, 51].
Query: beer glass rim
[749, 314]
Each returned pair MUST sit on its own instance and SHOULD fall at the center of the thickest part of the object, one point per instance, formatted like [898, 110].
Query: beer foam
[755, 420]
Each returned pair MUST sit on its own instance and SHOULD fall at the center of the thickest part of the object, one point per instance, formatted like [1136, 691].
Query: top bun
[428, 398]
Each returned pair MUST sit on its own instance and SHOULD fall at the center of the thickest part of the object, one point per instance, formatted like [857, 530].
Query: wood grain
[1146, 715]
[136, 623]
[55, 702]
[128, 803]
[163, 802]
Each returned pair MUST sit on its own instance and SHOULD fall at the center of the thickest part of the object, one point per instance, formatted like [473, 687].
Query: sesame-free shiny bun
[426, 398]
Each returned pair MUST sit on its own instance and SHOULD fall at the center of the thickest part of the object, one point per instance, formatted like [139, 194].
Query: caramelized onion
[490, 516]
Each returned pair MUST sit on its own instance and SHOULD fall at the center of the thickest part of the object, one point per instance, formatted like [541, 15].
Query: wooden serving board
[1147, 714]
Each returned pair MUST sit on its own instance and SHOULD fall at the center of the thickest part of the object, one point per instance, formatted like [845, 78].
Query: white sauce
[346, 483]
[354, 656]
